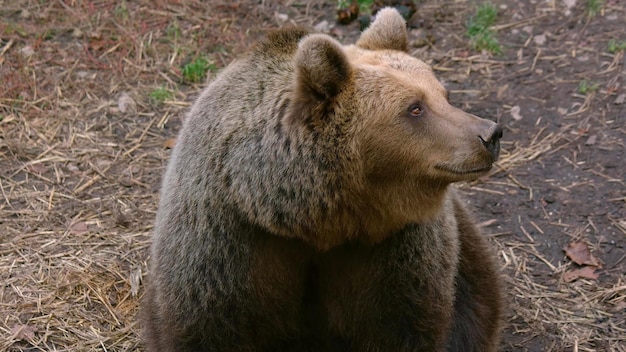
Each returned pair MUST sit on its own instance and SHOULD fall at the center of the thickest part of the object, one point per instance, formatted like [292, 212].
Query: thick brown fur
[307, 207]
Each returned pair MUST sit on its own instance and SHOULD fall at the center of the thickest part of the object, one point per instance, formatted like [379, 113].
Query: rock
[126, 104]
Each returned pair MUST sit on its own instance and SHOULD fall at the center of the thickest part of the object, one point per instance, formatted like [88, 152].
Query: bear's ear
[388, 31]
[322, 68]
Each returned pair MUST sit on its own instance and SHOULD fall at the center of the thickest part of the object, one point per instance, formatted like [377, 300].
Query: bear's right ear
[388, 31]
[322, 68]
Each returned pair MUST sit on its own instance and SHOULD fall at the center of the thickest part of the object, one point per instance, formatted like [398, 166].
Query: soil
[84, 141]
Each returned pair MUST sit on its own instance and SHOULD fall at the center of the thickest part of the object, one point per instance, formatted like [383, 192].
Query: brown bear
[307, 206]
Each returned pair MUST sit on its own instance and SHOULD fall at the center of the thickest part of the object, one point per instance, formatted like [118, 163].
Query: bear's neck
[384, 209]
[371, 215]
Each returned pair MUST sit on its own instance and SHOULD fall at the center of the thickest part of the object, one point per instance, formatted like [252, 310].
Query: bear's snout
[491, 141]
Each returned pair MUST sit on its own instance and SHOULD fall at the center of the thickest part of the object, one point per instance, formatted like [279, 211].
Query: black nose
[492, 143]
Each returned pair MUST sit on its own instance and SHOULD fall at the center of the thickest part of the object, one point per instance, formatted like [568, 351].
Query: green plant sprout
[479, 31]
[196, 70]
[159, 95]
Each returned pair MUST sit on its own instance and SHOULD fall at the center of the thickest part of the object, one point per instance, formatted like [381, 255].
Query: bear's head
[411, 143]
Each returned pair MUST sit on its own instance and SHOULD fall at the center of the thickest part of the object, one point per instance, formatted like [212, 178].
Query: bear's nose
[492, 142]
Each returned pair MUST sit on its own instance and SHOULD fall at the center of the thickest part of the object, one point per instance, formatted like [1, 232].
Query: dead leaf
[584, 273]
[592, 139]
[170, 143]
[37, 168]
[515, 113]
[620, 99]
[24, 332]
[579, 253]
[96, 44]
[79, 228]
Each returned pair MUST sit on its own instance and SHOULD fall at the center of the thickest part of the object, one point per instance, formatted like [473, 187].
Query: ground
[92, 94]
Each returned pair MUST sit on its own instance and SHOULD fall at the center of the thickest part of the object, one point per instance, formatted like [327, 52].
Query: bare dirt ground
[84, 140]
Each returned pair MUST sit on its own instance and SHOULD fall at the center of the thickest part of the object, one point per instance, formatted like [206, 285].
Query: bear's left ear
[322, 68]
[388, 31]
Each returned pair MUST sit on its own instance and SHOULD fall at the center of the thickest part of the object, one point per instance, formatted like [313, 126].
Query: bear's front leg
[478, 306]
[397, 295]
[238, 291]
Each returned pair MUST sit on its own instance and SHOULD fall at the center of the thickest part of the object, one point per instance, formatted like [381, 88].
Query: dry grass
[83, 146]
[82, 150]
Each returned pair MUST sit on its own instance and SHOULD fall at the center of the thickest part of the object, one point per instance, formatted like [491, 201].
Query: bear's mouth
[460, 171]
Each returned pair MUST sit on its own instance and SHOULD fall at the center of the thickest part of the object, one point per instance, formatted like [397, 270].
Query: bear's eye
[416, 110]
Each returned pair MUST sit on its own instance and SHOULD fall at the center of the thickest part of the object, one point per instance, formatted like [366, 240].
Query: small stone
[540, 39]
[322, 27]
[25, 14]
[83, 74]
[126, 104]
[583, 58]
[126, 181]
[282, 17]
[27, 51]
[77, 33]
[569, 4]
